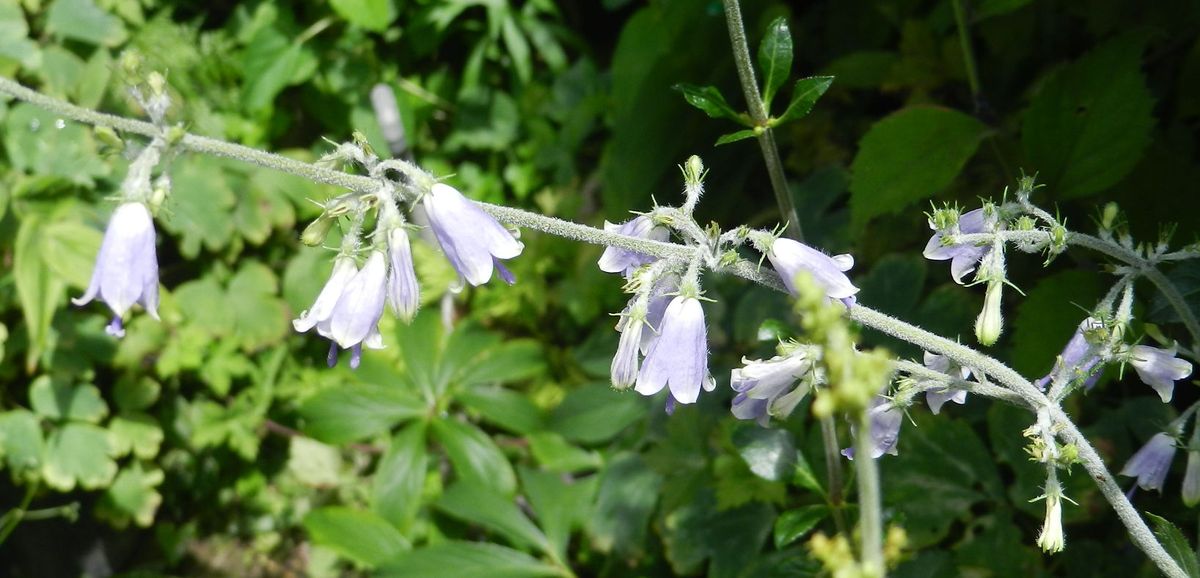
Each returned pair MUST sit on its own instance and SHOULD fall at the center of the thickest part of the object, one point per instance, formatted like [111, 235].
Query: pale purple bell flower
[126, 270]
[790, 257]
[344, 269]
[885, 428]
[1150, 464]
[936, 398]
[678, 358]
[403, 291]
[1080, 358]
[624, 367]
[354, 321]
[778, 383]
[624, 261]
[1159, 368]
[963, 257]
[473, 241]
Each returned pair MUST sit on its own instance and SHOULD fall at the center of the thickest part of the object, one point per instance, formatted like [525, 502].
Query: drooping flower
[885, 428]
[354, 321]
[771, 388]
[1079, 359]
[472, 240]
[1051, 539]
[617, 260]
[403, 291]
[790, 257]
[678, 357]
[1191, 479]
[344, 269]
[1159, 368]
[1150, 464]
[126, 270]
[936, 398]
[624, 367]
[963, 257]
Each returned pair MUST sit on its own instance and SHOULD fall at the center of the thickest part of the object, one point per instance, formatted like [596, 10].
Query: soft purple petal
[1159, 368]
[617, 260]
[126, 269]
[1150, 464]
[469, 237]
[358, 309]
[344, 269]
[404, 293]
[790, 257]
[678, 359]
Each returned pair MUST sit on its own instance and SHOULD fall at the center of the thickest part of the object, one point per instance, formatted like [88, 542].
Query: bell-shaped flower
[1150, 464]
[1051, 539]
[790, 257]
[355, 318]
[624, 261]
[344, 269]
[1159, 368]
[885, 428]
[1079, 359]
[678, 358]
[778, 383]
[403, 291]
[936, 398]
[624, 367]
[126, 270]
[963, 257]
[472, 240]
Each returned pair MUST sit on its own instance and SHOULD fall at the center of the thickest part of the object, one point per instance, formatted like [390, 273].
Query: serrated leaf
[626, 496]
[358, 535]
[595, 413]
[735, 136]
[132, 496]
[135, 432]
[21, 440]
[769, 453]
[375, 15]
[199, 205]
[1176, 545]
[60, 400]
[481, 505]
[775, 59]
[795, 524]
[710, 100]
[729, 539]
[908, 157]
[78, 454]
[469, 560]
[400, 477]
[84, 21]
[805, 95]
[260, 318]
[1091, 121]
[344, 414]
[476, 458]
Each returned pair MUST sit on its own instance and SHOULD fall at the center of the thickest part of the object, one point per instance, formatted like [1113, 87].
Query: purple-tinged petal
[790, 257]
[617, 260]
[404, 293]
[1159, 368]
[469, 237]
[505, 274]
[1150, 464]
[360, 306]
[678, 359]
[126, 270]
[885, 429]
[344, 270]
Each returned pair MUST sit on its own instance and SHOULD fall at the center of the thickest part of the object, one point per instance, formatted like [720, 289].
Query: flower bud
[1052, 540]
[109, 137]
[1109, 218]
[990, 322]
[314, 234]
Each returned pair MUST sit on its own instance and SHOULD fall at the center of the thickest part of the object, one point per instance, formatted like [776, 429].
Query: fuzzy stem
[870, 518]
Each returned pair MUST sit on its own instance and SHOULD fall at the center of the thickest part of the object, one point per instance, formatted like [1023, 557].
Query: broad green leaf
[1090, 122]
[804, 476]
[60, 400]
[476, 458]
[1176, 545]
[517, 46]
[482, 505]
[775, 59]
[353, 412]
[555, 454]
[38, 289]
[205, 306]
[710, 100]
[560, 504]
[14, 36]
[508, 409]
[894, 284]
[626, 497]
[729, 539]
[263, 207]
[314, 463]
[84, 21]
[595, 413]
[135, 432]
[505, 362]
[1186, 279]
[61, 70]
[375, 15]
[78, 454]
[949, 310]
[35, 145]
[132, 496]
[200, 202]
[735, 136]
[400, 477]
[260, 317]
[468, 560]
[863, 69]
[89, 91]
[70, 249]
[910, 156]
[420, 344]
[272, 61]
[769, 453]
[358, 535]
[133, 394]
[21, 441]
[1048, 316]
[795, 524]
[804, 97]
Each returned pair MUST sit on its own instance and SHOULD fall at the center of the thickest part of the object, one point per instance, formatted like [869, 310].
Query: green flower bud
[314, 234]
[990, 322]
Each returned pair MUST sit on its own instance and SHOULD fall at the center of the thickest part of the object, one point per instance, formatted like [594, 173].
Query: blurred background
[217, 443]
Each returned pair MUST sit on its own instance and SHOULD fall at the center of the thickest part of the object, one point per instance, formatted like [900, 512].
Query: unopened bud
[131, 63]
[1108, 219]
[158, 84]
[990, 322]
[314, 234]
[109, 137]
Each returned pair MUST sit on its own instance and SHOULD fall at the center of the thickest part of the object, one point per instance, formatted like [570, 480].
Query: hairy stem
[870, 518]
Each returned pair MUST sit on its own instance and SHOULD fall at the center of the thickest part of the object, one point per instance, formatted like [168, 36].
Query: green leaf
[137, 433]
[625, 499]
[518, 47]
[358, 535]
[84, 21]
[1048, 316]
[314, 463]
[35, 145]
[272, 62]
[1176, 545]
[560, 504]
[132, 496]
[400, 477]
[865, 69]
[1186, 279]
[595, 413]
[909, 156]
[795, 524]
[78, 454]
[38, 290]
[21, 441]
[94, 81]
[804, 476]
[353, 412]
[476, 458]
[420, 344]
[61, 70]
[730, 539]
[70, 249]
[59, 400]
[989, 8]
[555, 454]
[14, 36]
[805, 96]
[775, 59]
[735, 136]
[481, 505]
[503, 363]
[769, 453]
[894, 284]
[200, 202]
[468, 560]
[260, 318]
[506, 408]
[374, 15]
[709, 100]
[1091, 121]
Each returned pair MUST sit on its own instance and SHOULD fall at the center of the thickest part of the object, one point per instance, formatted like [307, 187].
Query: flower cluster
[773, 387]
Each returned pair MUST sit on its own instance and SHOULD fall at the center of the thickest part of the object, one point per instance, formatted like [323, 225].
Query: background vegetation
[216, 442]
